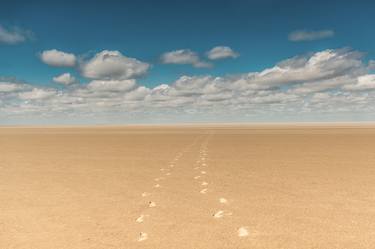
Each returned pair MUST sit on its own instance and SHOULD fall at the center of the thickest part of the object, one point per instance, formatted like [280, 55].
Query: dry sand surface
[187, 187]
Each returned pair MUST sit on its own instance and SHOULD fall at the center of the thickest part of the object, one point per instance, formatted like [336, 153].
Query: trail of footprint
[142, 235]
[242, 231]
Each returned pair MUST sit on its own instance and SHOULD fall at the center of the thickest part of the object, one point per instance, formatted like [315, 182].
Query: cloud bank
[328, 83]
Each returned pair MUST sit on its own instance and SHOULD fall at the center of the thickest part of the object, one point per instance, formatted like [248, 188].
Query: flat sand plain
[190, 187]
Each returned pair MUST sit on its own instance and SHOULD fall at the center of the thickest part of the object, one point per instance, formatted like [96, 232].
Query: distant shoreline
[285, 125]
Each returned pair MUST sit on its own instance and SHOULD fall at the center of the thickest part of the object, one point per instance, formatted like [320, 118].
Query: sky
[125, 62]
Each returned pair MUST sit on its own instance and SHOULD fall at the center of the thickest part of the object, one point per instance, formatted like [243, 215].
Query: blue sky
[258, 32]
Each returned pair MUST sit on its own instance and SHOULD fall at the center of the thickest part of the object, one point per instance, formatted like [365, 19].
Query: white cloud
[37, 94]
[58, 58]
[221, 52]
[8, 87]
[371, 65]
[111, 85]
[14, 36]
[65, 79]
[324, 65]
[364, 82]
[109, 65]
[310, 35]
[184, 56]
[329, 81]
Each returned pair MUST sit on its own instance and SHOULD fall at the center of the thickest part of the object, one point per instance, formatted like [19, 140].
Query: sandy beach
[193, 187]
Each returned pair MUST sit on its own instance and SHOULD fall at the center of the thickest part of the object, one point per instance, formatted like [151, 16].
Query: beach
[192, 186]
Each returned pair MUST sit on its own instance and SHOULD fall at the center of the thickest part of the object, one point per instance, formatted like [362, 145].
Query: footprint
[168, 174]
[204, 183]
[243, 232]
[144, 194]
[203, 164]
[203, 172]
[203, 191]
[162, 169]
[142, 236]
[157, 186]
[221, 214]
[223, 200]
[151, 204]
[141, 218]
[197, 177]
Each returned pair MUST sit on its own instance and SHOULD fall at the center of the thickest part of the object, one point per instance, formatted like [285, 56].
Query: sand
[187, 187]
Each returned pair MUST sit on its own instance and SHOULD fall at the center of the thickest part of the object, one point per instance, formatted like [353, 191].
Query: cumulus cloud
[221, 52]
[364, 82]
[184, 56]
[328, 81]
[111, 85]
[8, 87]
[65, 79]
[310, 35]
[109, 65]
[58, 58]
[14, 36]
[324, 65]
[37, 94]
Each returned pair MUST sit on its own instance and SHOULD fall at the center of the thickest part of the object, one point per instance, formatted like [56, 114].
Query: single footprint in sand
[157, 186]
[243, 232]
[151, 204]
[220, 214]
[203, 191]
[168, 174]
[203, 172]
[223, 200]
[197, 177]
[142, 236]
[141, 218]
[204, 183]
[203, 164]
[144, 194]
